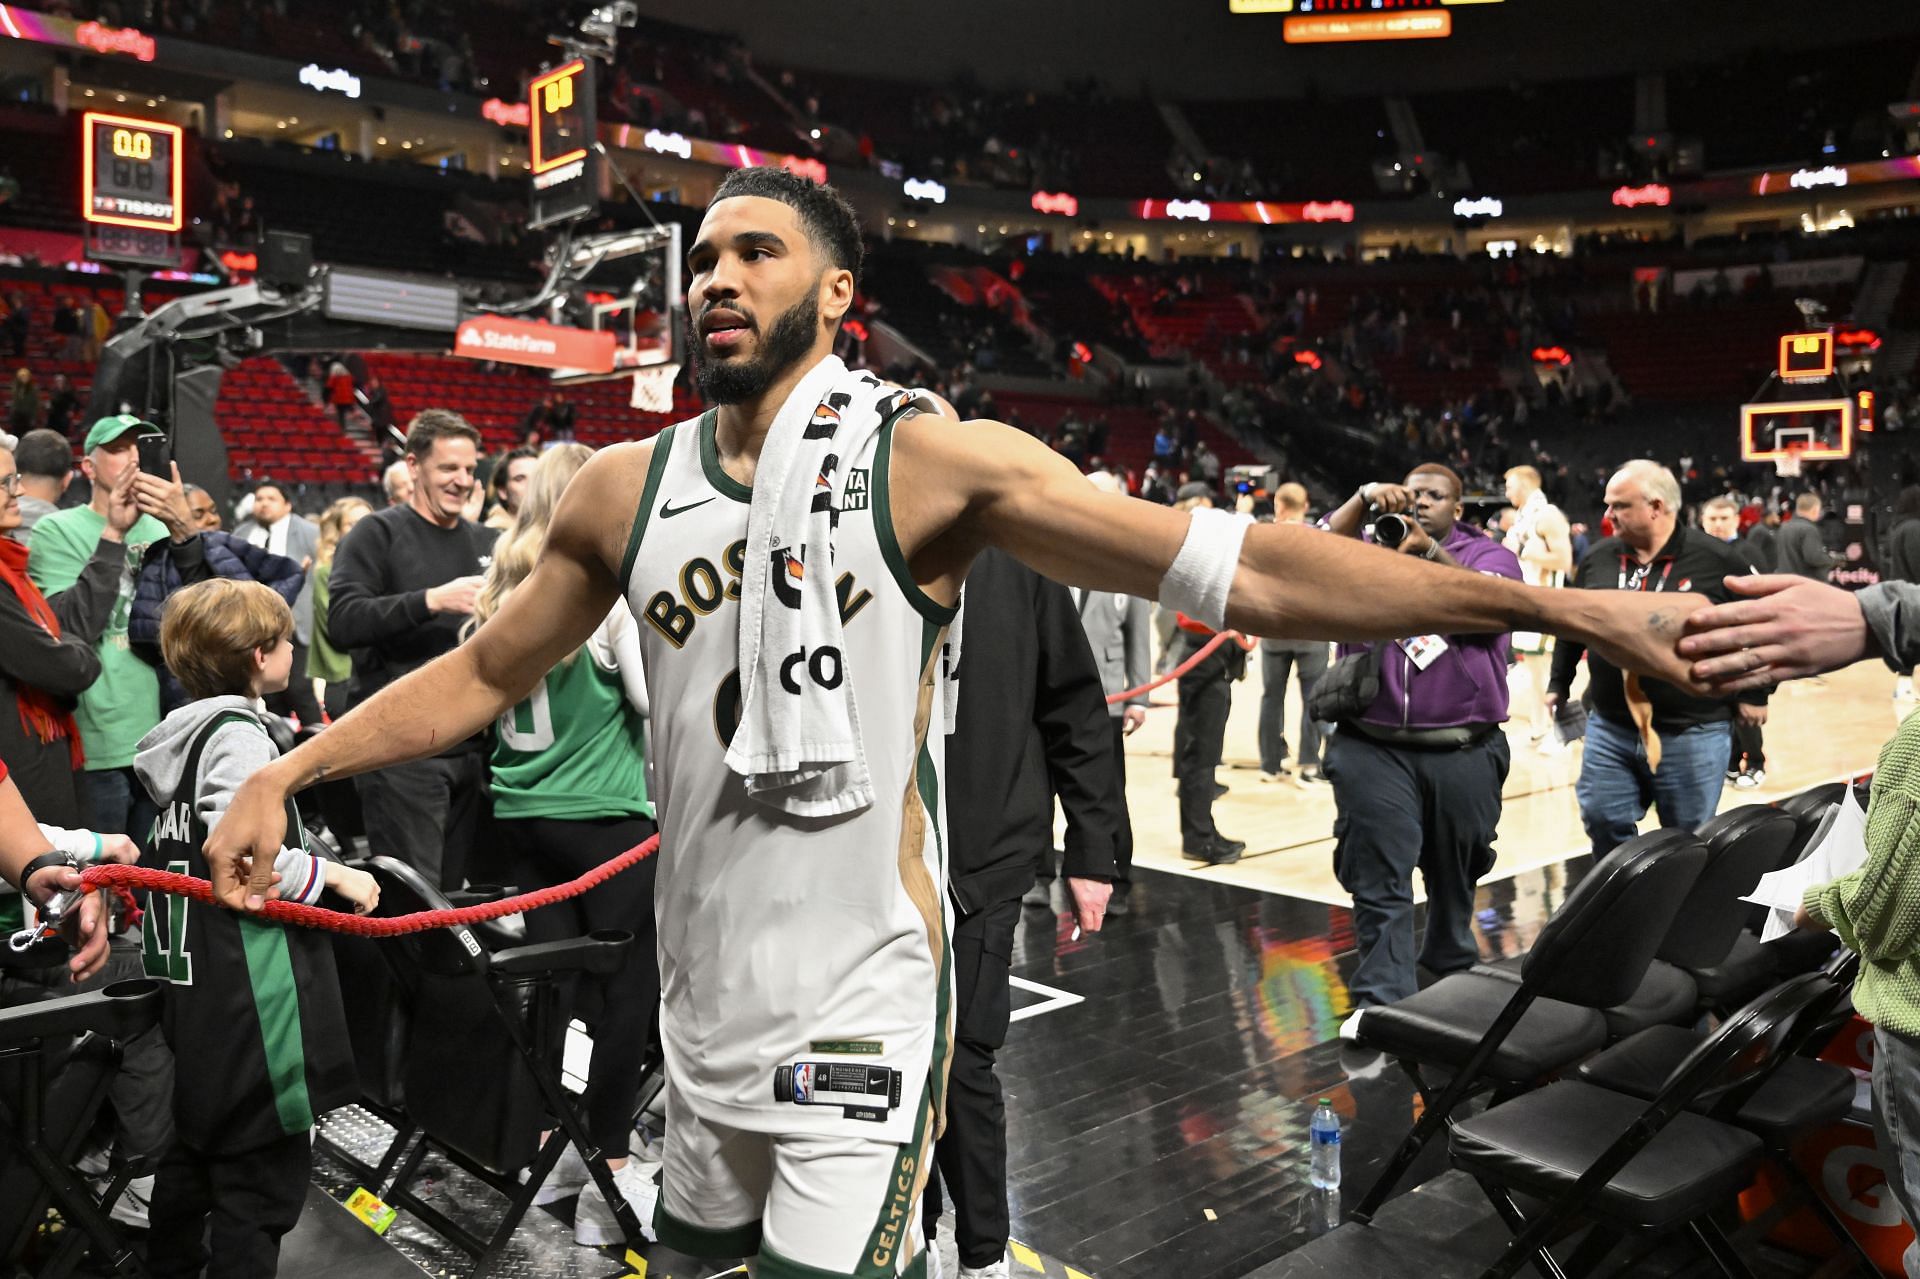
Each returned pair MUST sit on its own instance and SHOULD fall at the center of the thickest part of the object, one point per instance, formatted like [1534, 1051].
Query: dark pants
[234, 1207]
[425, 813]
[119, 803]
[1399, 810]
[972, 1153]
[1206, 695]
[618, 1008]
[1749, 747]
[1123, 835]
[297, 701]
[1277, 659]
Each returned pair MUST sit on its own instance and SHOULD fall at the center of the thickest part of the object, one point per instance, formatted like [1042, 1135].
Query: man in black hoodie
[1032, 723]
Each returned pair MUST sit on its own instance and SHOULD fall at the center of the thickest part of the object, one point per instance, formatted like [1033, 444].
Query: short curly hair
[830, 222]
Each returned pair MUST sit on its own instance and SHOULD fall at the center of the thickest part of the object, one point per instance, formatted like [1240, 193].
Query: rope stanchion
[1246, 644]
[107, 875]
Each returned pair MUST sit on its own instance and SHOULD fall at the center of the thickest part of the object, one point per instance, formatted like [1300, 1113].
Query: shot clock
[131, 172]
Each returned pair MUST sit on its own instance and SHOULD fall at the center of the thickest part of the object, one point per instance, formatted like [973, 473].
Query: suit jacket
[303, 539]
[1122, 642]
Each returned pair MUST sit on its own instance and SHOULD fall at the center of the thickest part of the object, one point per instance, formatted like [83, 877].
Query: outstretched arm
[448, 700]
[956, 489]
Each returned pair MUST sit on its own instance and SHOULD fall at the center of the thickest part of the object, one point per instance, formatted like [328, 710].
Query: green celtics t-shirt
[574, 748]
[125, 701]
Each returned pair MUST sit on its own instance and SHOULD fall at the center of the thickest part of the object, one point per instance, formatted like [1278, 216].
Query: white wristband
[1198, 580]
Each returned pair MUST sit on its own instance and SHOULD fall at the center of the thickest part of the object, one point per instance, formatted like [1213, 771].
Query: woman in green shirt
[327, 666]
[569, 793]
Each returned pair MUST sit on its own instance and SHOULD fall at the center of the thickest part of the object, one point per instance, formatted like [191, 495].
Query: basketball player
[1540, 539]
[820, 941]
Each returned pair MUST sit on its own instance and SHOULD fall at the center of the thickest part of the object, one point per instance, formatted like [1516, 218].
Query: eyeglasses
[11, 483]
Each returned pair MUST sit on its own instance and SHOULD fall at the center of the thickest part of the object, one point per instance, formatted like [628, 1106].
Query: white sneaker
[998, 1270]
[567, 1177]
[1350, 1028]
[131, 1208]
[594, 1224]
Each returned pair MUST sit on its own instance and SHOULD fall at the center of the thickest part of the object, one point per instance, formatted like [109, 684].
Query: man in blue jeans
[1649, 743]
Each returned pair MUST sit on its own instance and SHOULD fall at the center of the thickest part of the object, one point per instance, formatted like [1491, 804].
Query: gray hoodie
[233, 754]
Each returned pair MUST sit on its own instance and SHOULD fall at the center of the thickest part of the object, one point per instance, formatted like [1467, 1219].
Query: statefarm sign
[543, 346]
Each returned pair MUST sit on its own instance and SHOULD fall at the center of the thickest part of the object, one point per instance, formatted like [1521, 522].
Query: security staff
[1417, 770]
[1031, 724]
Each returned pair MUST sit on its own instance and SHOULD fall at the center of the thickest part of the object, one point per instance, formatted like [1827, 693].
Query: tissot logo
[554, 177]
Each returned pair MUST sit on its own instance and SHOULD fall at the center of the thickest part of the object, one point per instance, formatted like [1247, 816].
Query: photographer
[1417, 758]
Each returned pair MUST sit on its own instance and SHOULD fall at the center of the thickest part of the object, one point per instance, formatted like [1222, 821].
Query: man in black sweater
[404, 582]
[1032, 723]
[1802, 550]
[1650, 741]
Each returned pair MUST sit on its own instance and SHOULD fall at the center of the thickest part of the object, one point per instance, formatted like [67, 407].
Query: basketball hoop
[1786, 463]
[653, 388]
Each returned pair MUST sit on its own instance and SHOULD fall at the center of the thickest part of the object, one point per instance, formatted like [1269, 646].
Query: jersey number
[528, 727]
[168, 959]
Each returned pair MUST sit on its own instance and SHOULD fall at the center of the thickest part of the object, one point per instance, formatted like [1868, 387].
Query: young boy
[253, 1013]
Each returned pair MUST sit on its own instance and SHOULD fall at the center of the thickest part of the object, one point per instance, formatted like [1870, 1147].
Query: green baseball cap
[109, 429]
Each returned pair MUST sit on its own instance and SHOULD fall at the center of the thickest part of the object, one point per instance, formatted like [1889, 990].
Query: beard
[732, 379]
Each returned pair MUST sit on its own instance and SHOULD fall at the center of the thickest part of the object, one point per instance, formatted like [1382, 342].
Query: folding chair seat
[1631, 1163]
[481, 1076]
[1800, 1093]
[57, 1057]
[1592, 954]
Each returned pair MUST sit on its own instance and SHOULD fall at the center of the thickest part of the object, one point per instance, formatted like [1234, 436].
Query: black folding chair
[1489, 1033]
[482, 1074]
[57, 1057]
[1630, 1164]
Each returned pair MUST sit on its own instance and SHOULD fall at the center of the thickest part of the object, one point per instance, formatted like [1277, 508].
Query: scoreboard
[130, 173]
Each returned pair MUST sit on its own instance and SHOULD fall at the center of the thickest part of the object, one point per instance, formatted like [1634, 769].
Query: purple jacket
[1467, 684]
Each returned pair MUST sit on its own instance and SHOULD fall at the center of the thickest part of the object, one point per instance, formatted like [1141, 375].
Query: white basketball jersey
[787, 940]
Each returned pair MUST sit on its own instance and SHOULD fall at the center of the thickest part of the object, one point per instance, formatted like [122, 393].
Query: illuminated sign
[506, 114]
[130, 172]
[235, 261]
[668, 144]
[1326, 211]
[335, 80]
[1551, 355]
[556, 114]
[1194, 209]
[1832, 176]
[802, 166]
[1055, 202]
[1651, 193]
[1484, 207]
[924, 189]
[564, 173]
[101, 39]
[1368, 26]
[1866, 338]
[543, 346]
[1806, 355]
[1863, 402]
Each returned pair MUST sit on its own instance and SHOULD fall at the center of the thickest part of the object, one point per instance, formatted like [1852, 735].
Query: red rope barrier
[108, 875]
[1174, 674]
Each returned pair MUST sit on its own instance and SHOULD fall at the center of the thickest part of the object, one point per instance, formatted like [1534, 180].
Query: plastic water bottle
[1326, 1147]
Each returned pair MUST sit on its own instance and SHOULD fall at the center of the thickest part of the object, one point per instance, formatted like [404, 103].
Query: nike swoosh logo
[668, 510]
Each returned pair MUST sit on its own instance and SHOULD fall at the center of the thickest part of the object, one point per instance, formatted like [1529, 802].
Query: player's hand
[1552, 702]
[166, 501]
[457, 596]
[1635, 630]
[1751, 716]
[1389, 497]
[1131, 719]
[1089, 902]
[118, 849]
[357, 886]
[241, 849]
[1787, 627]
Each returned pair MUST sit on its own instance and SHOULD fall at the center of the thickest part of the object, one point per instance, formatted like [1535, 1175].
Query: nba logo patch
[858, 487]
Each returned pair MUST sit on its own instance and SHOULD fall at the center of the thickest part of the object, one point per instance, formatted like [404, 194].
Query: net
[653, 387]
[1786, 463]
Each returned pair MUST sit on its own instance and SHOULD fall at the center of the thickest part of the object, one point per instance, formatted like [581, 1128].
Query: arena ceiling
[1198, 49]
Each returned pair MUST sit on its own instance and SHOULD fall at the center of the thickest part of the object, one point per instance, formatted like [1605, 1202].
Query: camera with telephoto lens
[1391, 529]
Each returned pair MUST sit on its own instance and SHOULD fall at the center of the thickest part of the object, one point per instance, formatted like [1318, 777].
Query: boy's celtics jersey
[573, 748]
[788, 940]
